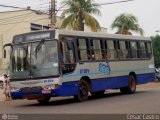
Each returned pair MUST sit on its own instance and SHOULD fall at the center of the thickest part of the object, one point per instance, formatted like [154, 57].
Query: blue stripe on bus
[121, 81]
[114, 71]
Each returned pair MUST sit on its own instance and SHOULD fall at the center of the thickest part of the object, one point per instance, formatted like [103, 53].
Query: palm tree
[79, 13]
[125, 23]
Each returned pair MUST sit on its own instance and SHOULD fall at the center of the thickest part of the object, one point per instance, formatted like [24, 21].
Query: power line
[15, 19]
[17, 16]
[15, 7]
[14, 1]
[12, 7]
[60, 8]
[15, 24]
[26, 21]
[115, 2]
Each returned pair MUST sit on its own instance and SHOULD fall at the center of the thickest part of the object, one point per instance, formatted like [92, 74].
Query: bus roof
[100, 35]
[44, 34]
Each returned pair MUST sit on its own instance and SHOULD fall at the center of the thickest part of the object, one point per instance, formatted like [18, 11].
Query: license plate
[46, 91]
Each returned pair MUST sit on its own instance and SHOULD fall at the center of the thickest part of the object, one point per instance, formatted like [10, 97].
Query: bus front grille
[29, 89]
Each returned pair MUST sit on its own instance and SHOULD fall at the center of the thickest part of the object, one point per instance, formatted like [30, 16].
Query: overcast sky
[147, 11]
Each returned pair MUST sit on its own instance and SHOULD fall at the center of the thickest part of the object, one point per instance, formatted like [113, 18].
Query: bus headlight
[51, 86]
[14, 89]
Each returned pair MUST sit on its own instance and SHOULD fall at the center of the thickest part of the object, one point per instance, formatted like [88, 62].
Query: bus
[53, 63]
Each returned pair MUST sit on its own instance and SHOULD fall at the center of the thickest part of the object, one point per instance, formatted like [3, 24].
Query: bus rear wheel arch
[131, 88]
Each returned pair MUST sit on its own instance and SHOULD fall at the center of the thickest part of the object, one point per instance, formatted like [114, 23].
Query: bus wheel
[44, 101]
[131, 86]
[82, 91]
[98, 93]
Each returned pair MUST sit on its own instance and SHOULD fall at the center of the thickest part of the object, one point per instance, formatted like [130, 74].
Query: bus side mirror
[4, 50]
[4, 54]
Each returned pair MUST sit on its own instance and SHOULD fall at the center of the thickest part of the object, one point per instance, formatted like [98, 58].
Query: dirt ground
[149, 85]
[155, 85]
[2, 97]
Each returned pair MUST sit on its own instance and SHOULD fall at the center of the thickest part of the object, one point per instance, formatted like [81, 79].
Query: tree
[125, 23]
[80, 12]
[156, 50]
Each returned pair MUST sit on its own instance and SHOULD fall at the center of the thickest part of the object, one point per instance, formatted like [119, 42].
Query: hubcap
[82, 91]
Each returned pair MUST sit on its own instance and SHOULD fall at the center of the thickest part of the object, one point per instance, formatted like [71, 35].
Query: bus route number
[84, 71]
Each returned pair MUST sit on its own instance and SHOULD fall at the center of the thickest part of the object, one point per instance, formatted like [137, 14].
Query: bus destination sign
[33, 36]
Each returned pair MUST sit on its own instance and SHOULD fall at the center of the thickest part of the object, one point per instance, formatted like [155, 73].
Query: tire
[82, 92]
[98, 93]
[131, 88]
[44, 101]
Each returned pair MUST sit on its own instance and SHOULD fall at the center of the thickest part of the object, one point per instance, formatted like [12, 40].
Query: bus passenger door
[68, 56]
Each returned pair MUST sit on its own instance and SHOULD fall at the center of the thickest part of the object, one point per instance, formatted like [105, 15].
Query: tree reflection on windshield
[45, 63]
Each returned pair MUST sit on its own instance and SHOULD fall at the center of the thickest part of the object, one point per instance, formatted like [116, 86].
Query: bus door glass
[69, 58]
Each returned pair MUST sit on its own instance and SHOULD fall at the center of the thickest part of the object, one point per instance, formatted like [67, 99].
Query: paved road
[143, 101]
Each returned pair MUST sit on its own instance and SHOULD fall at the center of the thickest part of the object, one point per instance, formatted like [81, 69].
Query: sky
[146, 11]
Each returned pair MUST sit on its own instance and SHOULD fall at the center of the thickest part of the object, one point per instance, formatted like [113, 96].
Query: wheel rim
[83, 91]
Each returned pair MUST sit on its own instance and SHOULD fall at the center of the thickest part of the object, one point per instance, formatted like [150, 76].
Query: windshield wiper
[38, 47]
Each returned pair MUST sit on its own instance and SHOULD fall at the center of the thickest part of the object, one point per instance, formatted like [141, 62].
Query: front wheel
[82, 91]
[44, 101]
[131, 88]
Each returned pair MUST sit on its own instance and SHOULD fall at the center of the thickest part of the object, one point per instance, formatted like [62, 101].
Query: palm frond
[77, 8]
[91, 21]
[126, 23]
[68, 21]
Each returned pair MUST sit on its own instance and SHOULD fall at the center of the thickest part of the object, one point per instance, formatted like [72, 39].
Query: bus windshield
[33, 60]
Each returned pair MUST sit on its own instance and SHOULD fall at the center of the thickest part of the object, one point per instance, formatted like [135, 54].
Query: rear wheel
[131, 88]
[82, 91]
[44, 101]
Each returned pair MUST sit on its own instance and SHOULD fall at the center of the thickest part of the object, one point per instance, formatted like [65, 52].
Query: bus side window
[128, 56]
[104, 50]
[97, 49]
[111, 50]
[123, 52]
[68, 52]
[142, 50]
[134, 49]
[83, 53]
[148, 50]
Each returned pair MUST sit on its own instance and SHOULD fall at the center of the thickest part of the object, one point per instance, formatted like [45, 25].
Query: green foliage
[156, 49]
[80, 12]
[126, 23]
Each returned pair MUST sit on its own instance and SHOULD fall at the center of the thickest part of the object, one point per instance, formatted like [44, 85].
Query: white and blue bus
[47, 64]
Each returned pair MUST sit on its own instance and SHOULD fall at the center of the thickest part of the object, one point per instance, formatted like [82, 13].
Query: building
[22, 21]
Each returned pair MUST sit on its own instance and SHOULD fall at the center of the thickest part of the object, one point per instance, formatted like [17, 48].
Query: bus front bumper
[66, 89]
[32, 95]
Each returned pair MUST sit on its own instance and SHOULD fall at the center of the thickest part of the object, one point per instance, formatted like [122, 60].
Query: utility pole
[53, 14]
